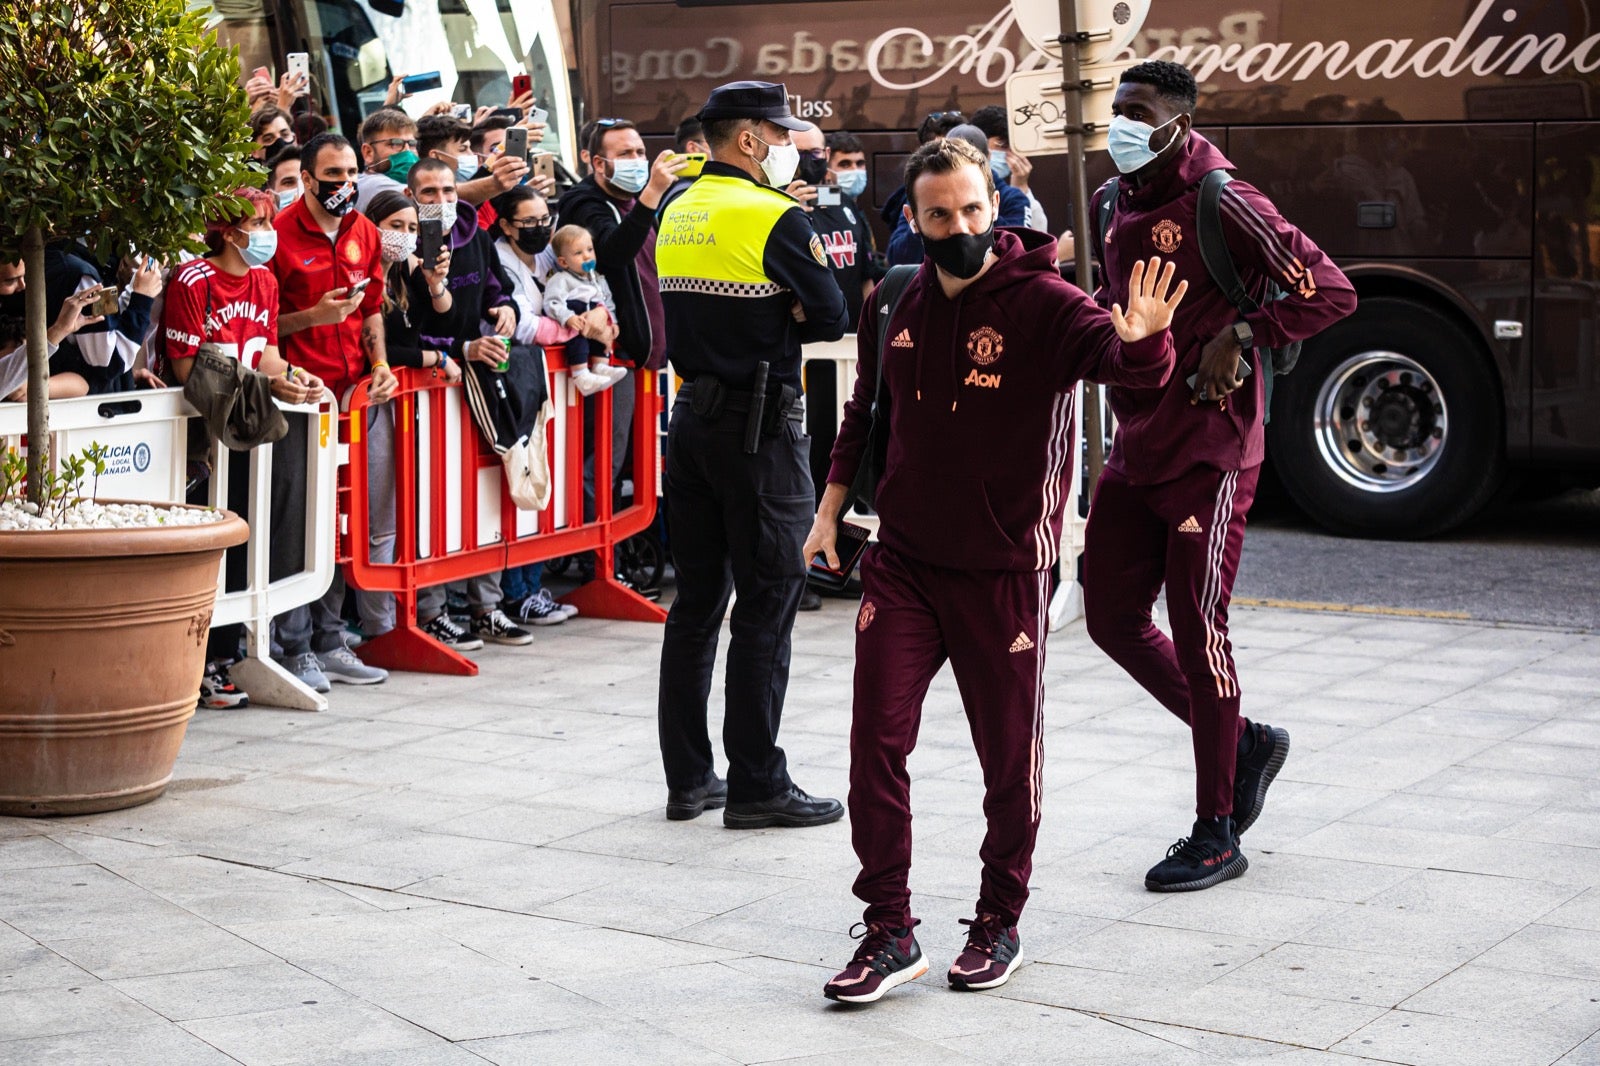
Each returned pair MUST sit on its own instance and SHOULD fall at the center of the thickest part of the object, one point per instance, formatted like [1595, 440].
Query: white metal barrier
[146, 437]
[1067, 604]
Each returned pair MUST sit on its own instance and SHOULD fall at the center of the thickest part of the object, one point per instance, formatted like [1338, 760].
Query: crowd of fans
[320, 284]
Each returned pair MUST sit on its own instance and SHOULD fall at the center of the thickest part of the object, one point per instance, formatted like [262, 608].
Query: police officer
[745, 281]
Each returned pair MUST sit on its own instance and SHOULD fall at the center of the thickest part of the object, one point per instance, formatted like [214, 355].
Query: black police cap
[751, 99]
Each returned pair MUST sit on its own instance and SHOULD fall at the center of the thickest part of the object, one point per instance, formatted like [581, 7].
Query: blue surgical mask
[263, 243]
[289, 196]
[630, 175]
[1000, 164]
[852, 182]
[466, 166]
[1129, 142]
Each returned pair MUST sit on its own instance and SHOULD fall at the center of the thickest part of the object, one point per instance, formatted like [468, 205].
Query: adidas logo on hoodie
[903, 340]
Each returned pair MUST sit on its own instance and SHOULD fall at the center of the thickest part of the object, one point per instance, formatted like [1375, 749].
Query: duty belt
[711, 400]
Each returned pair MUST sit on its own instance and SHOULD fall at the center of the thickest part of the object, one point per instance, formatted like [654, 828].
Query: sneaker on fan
[446, 631]
[307, 670]
[217, 690]
[885, 960]
[587, 382]
[341, 664]
[614, 373]
[496, 628]
[534, 611]
[567, 609]
[992, 954]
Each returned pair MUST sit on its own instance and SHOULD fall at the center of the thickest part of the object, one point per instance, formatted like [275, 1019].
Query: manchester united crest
[1167, 235]
[352, 253]
[985, 345]
[864, 619]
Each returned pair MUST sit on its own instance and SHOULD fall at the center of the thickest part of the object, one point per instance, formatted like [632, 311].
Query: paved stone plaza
[445, 870]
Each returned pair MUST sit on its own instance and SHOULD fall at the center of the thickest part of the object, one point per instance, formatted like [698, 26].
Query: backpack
[875, 456]
[1220, 266]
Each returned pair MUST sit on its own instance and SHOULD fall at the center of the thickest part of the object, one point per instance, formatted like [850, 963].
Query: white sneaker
[341, 664]
[615, 373]
[587, 382]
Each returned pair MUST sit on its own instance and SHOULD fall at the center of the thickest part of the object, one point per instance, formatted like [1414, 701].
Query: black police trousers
[736, 521]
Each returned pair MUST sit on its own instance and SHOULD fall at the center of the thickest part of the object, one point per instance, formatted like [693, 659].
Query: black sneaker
[992, 954]
[886, 959]
[1208, 856]
[444, 629]
[682, 806]
[498, 629]
[791, 809]
[1254, 773]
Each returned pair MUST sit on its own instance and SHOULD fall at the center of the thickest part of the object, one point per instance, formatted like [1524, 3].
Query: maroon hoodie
[982, 386]
[1160, 434]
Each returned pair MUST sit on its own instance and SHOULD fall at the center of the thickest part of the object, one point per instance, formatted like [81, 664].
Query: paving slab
[445, 871]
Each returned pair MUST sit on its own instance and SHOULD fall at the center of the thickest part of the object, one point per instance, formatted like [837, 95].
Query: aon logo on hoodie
[983, 381]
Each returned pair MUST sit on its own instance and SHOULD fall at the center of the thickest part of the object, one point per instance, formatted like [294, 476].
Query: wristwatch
[1244, 335]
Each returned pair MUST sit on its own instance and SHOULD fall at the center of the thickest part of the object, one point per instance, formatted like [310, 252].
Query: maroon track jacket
[980, 434]
[1159, 433]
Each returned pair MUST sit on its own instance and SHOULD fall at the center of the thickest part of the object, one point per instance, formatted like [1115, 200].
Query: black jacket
[618, 237]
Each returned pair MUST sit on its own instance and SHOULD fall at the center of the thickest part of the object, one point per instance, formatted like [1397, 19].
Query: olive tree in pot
[120, 120]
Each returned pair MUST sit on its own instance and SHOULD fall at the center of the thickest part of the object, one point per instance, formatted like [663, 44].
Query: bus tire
[1391, 425]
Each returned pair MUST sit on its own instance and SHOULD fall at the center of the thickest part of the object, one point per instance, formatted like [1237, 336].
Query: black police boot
[682, 806]
[790, 809]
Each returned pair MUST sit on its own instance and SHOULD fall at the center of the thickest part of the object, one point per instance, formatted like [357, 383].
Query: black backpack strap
[887, 296]
[1214, 245]
[1102, 219]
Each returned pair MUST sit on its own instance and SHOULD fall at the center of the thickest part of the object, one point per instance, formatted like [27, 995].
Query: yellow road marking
[1351, 608]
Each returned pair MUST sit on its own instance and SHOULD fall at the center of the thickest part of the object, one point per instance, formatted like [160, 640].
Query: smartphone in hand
[430, 241]
[1241, 372]
[828, 196]
[539, 116]
[299, 65]
[697, 163]
[358, 288]
[543, 165]
[516, 143]
[521, 85]
[105, 302]
[417, 83]
[849, 544]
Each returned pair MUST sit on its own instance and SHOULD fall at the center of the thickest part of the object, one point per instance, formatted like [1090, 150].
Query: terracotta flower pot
[102, 645]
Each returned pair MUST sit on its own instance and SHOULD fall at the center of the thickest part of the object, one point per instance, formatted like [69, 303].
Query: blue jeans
[520, 582]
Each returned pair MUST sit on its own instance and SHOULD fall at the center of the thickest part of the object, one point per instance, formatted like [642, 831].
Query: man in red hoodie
[1170, 508]
[988, 347]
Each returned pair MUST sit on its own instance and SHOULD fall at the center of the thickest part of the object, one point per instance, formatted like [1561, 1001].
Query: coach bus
[1445, 152]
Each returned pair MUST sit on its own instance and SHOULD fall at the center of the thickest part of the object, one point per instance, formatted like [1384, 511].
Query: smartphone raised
[538, 115]
[416, 83]
[516, 143]
[543, 165]
[829, 196]
[850, 541]
[521, 85]
[462, 112]
[430, 241]
[105, 302]
[697, 163]
[299, 65]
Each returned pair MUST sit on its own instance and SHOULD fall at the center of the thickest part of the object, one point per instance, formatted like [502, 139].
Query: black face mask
[960, 255]
[533, 241]
[336, 197]
[812, 170]
[15, 304]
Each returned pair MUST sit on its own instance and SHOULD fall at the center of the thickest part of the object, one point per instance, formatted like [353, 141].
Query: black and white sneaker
[534, 611]
[1208, 856]
[444, 629]
[496, 628]
[565, 608]
[1253, 774]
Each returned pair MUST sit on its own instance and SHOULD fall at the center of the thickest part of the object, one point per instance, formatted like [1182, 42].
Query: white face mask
[288, 196]
[630, 175]
[1129, 142]
[397, 245]
[780, 164]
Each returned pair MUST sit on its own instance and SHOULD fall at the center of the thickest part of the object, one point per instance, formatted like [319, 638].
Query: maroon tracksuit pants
[991, 627]
[1187, 534]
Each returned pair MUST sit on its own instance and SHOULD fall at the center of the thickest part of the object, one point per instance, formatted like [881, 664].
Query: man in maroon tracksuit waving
[1170, 508]
[988, 347]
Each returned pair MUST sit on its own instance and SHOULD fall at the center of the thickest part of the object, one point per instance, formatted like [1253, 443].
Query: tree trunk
[38, 366]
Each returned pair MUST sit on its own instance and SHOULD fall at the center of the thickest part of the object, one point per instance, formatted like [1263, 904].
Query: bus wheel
[1391, 425]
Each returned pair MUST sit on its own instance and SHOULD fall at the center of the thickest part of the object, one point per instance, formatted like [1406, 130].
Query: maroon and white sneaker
[883, 961]
[993, 951]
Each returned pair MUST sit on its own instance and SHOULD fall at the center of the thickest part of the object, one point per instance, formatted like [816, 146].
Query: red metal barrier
[436, 542]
